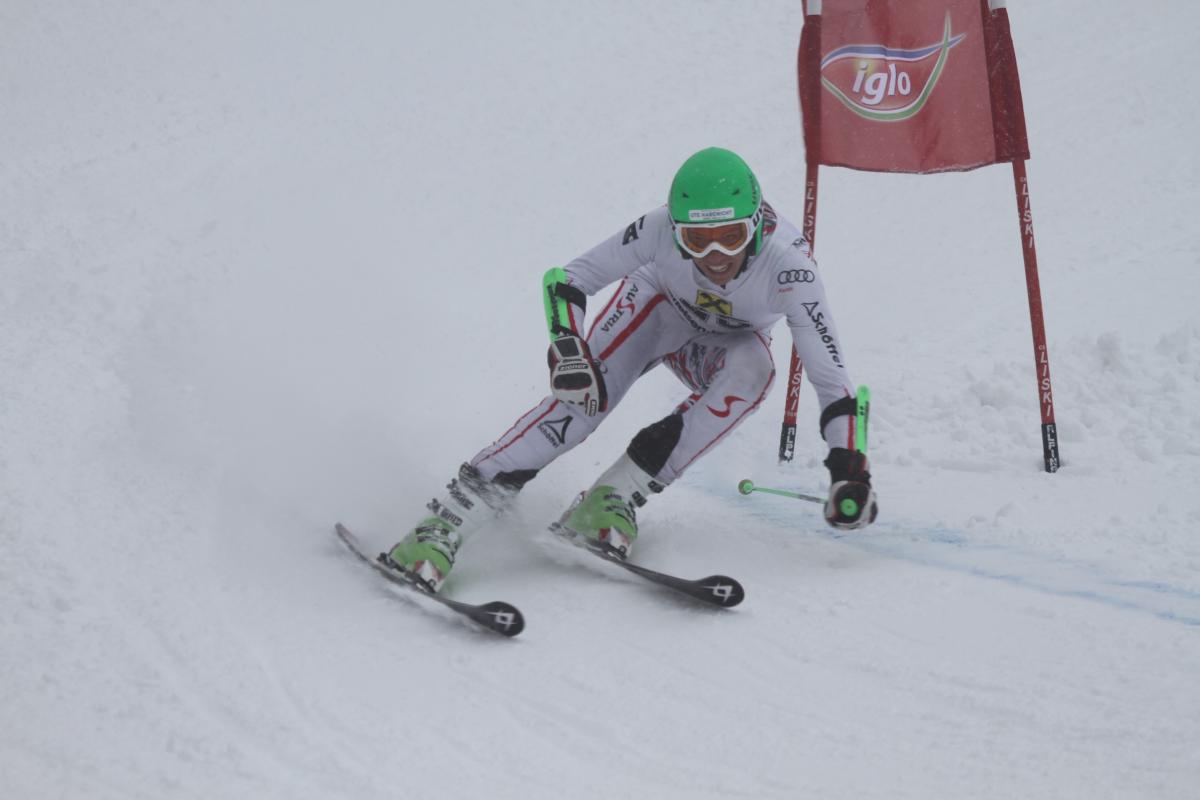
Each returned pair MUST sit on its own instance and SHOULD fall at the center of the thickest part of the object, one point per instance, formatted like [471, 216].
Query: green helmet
[715, 185]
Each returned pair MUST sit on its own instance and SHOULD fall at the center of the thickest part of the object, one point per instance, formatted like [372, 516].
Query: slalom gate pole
[787, 436]
[1041, 355]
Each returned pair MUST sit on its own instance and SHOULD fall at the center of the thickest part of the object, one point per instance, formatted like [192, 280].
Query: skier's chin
[719, 270]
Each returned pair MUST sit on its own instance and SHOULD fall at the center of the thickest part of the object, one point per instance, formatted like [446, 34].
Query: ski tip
[348, 538]
[502, 618]
[722, 590]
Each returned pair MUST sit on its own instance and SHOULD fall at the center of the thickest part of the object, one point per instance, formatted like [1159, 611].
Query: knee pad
[653, 444]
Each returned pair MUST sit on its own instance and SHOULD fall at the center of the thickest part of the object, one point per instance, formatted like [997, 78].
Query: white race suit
[716, 339]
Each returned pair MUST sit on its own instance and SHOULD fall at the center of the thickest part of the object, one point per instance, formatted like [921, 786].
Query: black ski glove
[851, 502]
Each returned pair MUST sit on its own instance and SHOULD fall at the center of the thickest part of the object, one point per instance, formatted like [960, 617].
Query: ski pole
[862, 411]
[747, 486]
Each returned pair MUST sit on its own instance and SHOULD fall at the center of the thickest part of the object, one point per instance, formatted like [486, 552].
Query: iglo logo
[877, 82]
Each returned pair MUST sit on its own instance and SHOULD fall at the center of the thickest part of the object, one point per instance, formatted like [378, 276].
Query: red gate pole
[1041, 355]
[808, 71]
[787, 437]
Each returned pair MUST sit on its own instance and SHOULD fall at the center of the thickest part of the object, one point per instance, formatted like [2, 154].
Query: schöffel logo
[885, 84]
[555, 430]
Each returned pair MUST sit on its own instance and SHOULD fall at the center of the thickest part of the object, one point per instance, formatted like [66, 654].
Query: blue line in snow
[943, 548]
[1025, 581]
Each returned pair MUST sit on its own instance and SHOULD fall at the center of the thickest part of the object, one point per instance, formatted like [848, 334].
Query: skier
[703, 281]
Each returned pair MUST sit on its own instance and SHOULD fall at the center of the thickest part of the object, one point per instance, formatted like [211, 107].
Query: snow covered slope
[266, 266]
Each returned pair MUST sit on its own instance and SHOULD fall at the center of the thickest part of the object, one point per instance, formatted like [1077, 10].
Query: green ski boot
[605, 517]
[607, 513]
[427, 552]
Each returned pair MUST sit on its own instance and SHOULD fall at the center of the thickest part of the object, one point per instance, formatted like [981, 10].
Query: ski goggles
[700, 239]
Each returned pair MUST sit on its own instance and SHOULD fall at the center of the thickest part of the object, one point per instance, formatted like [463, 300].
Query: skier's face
[720, 268]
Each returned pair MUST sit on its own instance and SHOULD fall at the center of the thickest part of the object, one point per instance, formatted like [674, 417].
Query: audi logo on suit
[795, 276]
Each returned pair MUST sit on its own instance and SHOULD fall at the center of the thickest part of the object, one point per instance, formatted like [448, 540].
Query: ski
[497, 617]
[717, 590]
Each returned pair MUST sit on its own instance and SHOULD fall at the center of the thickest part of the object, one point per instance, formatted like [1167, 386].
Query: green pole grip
[557, 316]
[862, 410]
